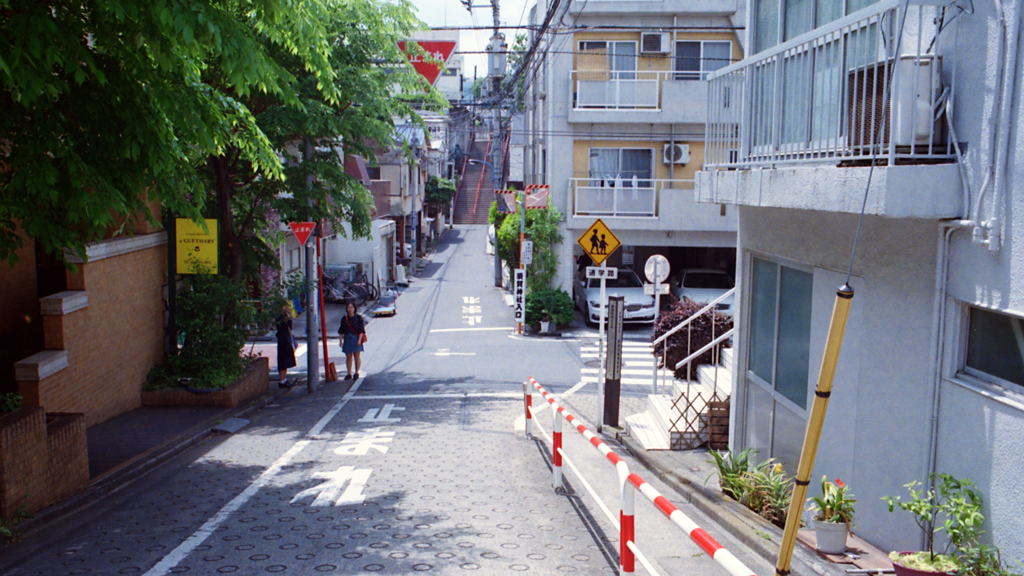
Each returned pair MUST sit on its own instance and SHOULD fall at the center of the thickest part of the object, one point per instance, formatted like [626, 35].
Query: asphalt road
[420, 466]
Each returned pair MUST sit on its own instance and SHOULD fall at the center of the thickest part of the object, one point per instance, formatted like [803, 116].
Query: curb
[140, 465]
[761, 536]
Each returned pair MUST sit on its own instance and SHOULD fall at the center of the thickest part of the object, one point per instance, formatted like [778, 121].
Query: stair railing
[684, 324]
[483, 171]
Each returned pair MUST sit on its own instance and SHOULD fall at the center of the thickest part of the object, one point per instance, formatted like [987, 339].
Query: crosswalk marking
[637, 364]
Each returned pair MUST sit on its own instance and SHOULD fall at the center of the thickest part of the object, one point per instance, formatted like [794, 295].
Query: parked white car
[639, 306]
[705, 285]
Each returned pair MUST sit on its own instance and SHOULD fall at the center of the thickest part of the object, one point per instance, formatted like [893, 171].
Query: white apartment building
[616, 105]
[931, 374]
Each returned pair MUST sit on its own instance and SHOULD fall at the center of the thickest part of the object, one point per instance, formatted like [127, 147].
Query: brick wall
[116, 339]
[43, 459]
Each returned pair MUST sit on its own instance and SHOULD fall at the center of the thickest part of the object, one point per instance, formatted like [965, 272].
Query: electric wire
[875, 149]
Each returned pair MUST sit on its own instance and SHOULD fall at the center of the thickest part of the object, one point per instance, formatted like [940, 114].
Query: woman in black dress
[285, 345]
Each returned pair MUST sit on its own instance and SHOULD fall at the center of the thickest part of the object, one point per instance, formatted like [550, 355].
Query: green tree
[106, 106]
[439, 191]
[515, 56]
[317, 129]
[542, 229]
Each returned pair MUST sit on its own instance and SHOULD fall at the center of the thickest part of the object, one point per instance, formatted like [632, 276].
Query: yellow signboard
[598, 242]
[196, 248]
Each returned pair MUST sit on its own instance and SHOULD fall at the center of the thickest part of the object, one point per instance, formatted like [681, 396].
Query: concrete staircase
[663, 425]
[467, 209]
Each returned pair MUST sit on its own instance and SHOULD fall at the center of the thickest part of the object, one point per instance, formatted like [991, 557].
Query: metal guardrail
[619, 197]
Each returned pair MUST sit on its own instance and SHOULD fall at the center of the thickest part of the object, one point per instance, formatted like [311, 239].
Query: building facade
[614, 123]
[892, 126]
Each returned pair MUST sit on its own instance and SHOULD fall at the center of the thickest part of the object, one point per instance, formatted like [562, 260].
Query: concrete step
[727, 358]
[644, 428]
[715, 379]
[661, 415]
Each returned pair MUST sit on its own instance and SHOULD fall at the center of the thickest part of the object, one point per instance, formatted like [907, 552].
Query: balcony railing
[867, 84]
[617, 89]
[620, 198]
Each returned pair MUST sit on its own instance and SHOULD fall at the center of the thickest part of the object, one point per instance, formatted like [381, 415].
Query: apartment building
[908, 113]
[615, 120]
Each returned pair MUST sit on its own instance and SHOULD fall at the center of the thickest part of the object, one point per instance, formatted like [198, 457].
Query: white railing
[618, 198]
[869, 83]
[618, 89]
[691, 356]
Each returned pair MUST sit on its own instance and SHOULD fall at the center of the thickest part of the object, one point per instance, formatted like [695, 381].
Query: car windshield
[626, 279]
[706, 280]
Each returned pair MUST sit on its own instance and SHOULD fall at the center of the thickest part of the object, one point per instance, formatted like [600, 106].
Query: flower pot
[545, 326]
[831, 536]
[905, 571]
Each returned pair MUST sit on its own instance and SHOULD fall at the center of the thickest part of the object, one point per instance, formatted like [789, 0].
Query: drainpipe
[946, 230]
[1012, 39]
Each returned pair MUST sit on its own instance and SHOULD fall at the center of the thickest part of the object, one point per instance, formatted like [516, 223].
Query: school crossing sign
[598, 242]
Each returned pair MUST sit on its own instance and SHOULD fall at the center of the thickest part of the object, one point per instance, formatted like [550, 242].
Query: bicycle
[359, 292]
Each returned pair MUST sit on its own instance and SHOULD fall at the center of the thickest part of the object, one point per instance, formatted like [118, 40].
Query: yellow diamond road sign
[598, 242]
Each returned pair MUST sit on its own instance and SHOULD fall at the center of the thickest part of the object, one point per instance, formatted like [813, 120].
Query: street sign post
[302, 230]
[519, 293]
[657, 269]
[598, 242]
[602, 272]
[527, 252]
[613, 374]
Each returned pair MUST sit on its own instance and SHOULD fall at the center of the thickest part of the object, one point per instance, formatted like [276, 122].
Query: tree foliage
[439, 191]
[701, 332]
[542, 229]
[109, 105]
[106, 106]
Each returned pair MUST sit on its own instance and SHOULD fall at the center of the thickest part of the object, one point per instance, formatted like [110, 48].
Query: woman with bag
[353, 336]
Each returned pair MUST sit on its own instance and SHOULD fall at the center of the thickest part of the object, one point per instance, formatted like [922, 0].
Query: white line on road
[505, 328]
[441, 395]
[172, 560]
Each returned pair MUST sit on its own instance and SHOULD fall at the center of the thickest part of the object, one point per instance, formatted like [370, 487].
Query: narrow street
[420, 466]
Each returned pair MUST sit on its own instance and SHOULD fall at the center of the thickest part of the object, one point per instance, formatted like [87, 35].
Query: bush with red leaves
[690, 339]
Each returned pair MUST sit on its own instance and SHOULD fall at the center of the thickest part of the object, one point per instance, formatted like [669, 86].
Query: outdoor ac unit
[675, 154]
[655, 43]
[917, 85]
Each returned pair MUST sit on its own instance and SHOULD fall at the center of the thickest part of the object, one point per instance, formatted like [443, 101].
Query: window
[797, 17]
[780, 329]
[617, 59]
[621, 166]
[696, 59]
[294, 259]
[995, 347]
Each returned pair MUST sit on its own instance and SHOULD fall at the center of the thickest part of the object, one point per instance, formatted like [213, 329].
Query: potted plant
[545, 323]
[954, 506]
[833, 516]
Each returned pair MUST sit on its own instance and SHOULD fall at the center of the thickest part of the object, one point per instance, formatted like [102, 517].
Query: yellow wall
[656, 62]
[581, 156]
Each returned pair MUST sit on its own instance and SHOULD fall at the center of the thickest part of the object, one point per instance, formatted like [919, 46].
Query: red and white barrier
[628, 482]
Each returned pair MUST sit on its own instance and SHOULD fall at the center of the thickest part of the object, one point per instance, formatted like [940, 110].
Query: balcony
[634, 7]
[659, 205]
[636, 96]
[866, 88]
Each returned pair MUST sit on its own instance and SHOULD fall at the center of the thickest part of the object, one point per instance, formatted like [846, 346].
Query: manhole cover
[592, 363]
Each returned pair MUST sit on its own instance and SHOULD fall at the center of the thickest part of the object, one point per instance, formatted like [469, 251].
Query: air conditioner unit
[675, 154]
[655, 43]
[917, 85]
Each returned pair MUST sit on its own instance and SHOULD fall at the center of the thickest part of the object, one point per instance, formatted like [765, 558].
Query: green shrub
[700, 333]
[551, 303]
[10, 402]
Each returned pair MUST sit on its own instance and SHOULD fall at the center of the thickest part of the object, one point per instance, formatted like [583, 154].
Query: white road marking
[177, 555]
[447, 352]
[505, 328]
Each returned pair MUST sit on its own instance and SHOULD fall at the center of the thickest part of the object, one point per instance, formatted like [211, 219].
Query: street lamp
[494, 173]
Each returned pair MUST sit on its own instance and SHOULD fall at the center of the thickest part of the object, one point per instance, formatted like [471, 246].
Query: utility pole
[312, 342]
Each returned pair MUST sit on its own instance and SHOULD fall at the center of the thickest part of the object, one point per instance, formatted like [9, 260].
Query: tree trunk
[229, 235]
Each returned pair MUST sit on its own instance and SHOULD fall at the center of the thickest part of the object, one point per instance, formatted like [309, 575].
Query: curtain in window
[636, 164]
[622, 59]
[604, 165]
[592, 62]
[716, 55]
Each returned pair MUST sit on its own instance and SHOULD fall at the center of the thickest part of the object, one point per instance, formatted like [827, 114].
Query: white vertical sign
[527, 252]
[519, 291]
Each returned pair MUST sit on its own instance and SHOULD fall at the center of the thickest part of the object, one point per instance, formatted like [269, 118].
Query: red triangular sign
[439, 49]
[302, 230]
